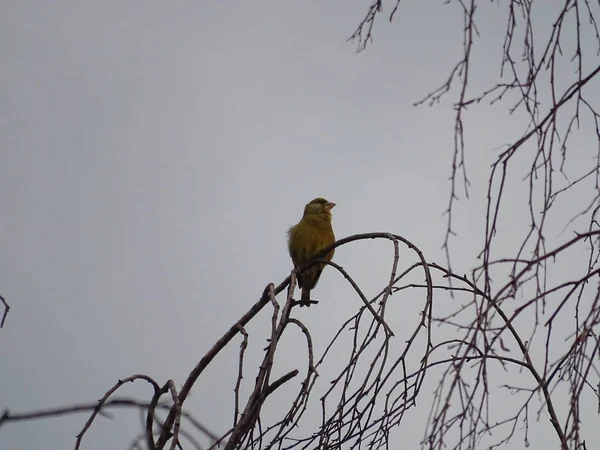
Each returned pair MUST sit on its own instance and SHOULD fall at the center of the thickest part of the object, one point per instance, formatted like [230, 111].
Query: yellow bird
[306, 239]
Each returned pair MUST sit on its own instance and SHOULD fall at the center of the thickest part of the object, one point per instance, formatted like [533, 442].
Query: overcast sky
[154, 155]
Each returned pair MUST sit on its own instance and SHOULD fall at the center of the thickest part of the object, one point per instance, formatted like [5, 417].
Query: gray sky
[154, 155]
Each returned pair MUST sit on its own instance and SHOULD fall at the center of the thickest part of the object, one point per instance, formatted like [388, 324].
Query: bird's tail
[305, 297]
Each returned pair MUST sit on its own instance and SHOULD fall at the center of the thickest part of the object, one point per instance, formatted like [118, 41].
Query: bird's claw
[307, 304]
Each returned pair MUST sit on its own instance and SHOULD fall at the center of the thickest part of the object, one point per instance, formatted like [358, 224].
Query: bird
[306, 239]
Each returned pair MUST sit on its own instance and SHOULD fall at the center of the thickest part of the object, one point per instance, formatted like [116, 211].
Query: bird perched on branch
[306, 239]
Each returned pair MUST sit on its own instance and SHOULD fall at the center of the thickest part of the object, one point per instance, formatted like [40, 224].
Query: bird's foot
[302, 303]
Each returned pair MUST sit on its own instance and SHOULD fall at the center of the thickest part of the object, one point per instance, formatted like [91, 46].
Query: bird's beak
[329, 206]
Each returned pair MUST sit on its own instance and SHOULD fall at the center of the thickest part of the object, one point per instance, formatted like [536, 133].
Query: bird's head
[318, 206]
